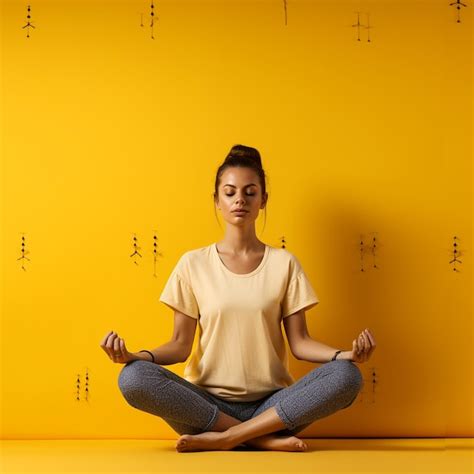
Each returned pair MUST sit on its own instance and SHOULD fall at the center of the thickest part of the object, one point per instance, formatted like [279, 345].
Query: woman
[236, 388]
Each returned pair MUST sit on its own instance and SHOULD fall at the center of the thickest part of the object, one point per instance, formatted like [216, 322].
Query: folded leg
[154, 389]
[321, 392]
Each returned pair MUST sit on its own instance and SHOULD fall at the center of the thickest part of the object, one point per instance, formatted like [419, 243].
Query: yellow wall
[107, 133]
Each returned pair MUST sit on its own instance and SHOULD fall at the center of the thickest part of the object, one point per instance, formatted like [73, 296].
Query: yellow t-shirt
[241, 354]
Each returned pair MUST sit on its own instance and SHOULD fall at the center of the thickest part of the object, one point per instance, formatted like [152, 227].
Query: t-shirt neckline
[241, 275]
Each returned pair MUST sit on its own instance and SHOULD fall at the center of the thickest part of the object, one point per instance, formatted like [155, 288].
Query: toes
[301, 445]
[181, 443]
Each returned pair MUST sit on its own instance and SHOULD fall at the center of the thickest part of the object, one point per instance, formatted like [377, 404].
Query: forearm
[169, 353]
[315, 351]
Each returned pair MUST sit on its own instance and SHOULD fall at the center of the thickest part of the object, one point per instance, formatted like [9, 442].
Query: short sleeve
[178, 294]
[299, 295]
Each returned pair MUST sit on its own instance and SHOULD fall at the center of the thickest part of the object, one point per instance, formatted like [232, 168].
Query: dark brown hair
[242, 156]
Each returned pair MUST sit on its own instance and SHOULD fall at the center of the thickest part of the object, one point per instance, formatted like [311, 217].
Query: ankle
[224, 422]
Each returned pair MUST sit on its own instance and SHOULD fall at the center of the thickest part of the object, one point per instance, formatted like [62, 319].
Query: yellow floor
[434, 455]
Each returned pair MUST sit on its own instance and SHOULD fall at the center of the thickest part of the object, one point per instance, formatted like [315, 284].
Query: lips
[239, 210]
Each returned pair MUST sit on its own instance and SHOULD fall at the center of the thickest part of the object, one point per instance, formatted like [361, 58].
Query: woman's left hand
[362, 347]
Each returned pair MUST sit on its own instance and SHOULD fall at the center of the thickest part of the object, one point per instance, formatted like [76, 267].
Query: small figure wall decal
[136, 249]
[156, 253]
[360, 25]
[368, 29]
[86, 387]
[78, 388]
[374, 382]
[361, 253]
[456, 254]
[28, 24]
[24, 252]
[458, 4]
[152, 22]
[373, 250]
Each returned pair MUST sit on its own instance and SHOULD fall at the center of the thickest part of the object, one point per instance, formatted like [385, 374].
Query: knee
[351, 376]
[130, 379]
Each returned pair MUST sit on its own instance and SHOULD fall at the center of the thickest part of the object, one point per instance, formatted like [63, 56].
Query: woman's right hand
[115, 348]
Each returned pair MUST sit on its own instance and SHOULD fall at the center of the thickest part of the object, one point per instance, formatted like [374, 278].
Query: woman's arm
[169, 353]
[180, 346]
[313, 351]
[302, 346]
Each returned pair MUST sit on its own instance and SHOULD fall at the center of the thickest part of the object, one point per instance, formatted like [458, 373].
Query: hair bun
[243, 151]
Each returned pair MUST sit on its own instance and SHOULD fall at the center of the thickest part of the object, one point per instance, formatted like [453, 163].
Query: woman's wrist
[142, 356]
[344, 355]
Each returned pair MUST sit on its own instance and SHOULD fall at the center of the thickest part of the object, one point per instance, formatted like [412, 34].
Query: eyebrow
[252, 184]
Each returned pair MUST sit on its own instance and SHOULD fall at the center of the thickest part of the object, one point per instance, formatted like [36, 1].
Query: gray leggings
[189, 409]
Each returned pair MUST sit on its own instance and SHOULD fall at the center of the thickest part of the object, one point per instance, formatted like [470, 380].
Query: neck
[237, 242]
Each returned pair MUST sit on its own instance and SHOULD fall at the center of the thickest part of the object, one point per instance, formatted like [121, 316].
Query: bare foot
[207, 441]
[216, 440]
[278, 443]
